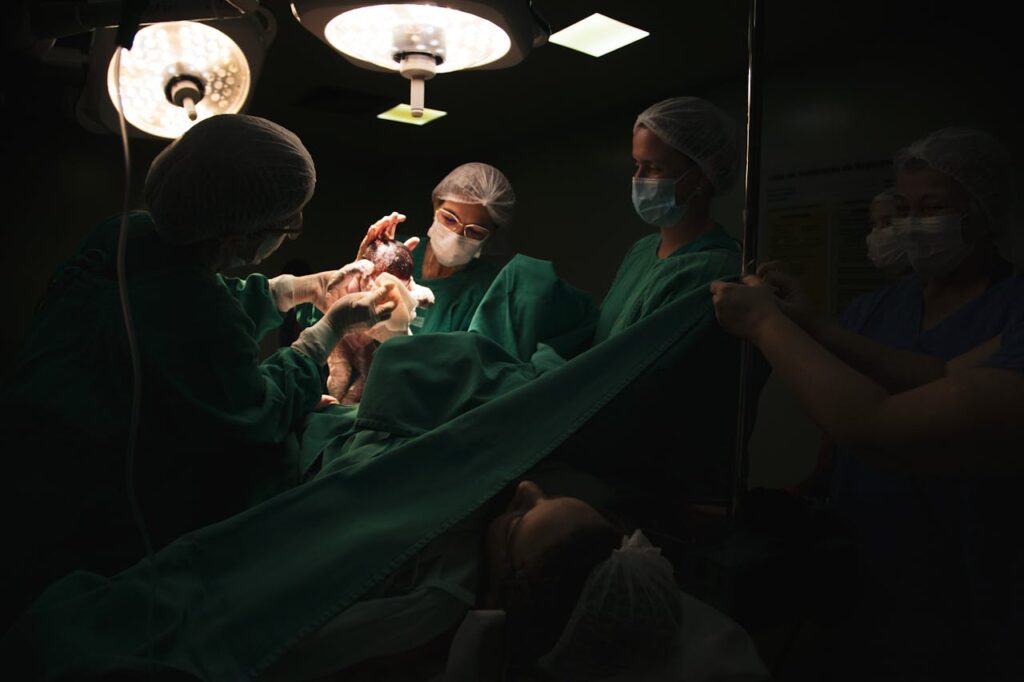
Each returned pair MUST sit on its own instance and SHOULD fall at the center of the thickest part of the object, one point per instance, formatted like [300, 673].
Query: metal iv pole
[751, 216]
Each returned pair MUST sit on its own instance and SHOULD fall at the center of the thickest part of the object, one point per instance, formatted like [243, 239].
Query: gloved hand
[385, 227]
[289, 291]
[351, 312]
[402, 314]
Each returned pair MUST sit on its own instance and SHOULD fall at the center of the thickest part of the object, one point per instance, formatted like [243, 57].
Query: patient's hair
[541, 601]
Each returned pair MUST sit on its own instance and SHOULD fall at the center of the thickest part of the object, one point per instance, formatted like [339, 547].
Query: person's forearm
[896, 370]
[837, 397]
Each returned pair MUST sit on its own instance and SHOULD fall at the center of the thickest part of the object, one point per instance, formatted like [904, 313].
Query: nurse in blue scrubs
[922, 442]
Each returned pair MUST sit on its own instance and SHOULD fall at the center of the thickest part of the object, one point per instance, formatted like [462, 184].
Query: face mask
[885, 250]
[934, 245]
[655, 200]
[267, 247]
[450, 249]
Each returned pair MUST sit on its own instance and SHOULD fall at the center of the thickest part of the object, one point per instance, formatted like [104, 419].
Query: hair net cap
[974, 159]
[228, 174]
[698, 129]
[628, 614]
[479, 183]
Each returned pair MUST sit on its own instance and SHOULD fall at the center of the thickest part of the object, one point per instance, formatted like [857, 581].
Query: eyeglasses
[451, 222]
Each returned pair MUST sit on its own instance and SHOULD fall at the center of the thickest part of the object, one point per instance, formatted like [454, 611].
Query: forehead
[648, 147]
[468, 213]
[551, 522]
[919, 182]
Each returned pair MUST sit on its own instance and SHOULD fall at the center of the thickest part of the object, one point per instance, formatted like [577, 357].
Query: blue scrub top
[941, 554]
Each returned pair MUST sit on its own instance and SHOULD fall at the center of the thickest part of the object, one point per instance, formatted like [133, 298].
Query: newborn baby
[381, 260]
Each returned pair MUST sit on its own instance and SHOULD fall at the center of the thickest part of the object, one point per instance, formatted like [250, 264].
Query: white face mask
[450, 249]
[266, 248]
[935, 244]
[885, 249]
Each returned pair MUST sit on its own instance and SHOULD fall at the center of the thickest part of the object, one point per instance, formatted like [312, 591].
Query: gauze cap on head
[698, 129]
[228, 174]
[479, 183]
[974, 159]
[628, 614]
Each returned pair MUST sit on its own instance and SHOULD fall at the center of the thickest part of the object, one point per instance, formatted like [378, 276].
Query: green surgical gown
[646, 283]
[215, 421]
[430, 449]
[455, 297]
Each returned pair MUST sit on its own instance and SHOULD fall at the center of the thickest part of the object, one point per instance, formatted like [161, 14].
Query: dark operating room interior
[842, 88]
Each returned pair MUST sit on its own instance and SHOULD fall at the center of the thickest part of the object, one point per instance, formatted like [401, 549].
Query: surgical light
[178, 73]
[420, 39]
[597, 35]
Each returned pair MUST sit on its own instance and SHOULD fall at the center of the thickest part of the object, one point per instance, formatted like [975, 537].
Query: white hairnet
[628, 614]
[228, 174]
[698, 129]
[974, 159]
[479, 183]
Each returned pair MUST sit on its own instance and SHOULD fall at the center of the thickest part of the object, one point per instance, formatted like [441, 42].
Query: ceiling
[692, 46]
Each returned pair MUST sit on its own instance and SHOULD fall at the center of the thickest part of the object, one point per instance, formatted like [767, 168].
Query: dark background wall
[845, 82]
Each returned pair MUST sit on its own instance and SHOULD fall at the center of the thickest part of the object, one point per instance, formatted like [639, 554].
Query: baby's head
[389, 255]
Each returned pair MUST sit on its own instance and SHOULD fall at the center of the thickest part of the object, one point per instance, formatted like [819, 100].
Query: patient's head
[540, 551]
[584, 598]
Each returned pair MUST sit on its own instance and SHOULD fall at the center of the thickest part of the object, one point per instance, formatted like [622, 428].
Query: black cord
[128, 25]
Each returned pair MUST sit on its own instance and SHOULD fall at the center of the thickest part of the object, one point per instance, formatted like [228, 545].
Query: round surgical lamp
[420, 39]
[178, 73]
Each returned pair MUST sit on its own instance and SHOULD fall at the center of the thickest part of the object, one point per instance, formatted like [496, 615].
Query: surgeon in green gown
[685, 154]
[214, 419]
[473, 208]
[472, 205]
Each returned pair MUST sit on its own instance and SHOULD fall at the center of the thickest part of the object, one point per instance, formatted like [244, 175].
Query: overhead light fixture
[597, 35]
[176, 74]
[420, 39]
[403, 114]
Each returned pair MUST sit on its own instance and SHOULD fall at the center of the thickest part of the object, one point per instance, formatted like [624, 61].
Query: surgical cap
[228, 174]
[479, 183]
[698, 129]
[628, 615]
[974, 159]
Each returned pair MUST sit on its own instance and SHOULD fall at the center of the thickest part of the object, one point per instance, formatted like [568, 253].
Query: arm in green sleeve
[227, 389]
[253, 294]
